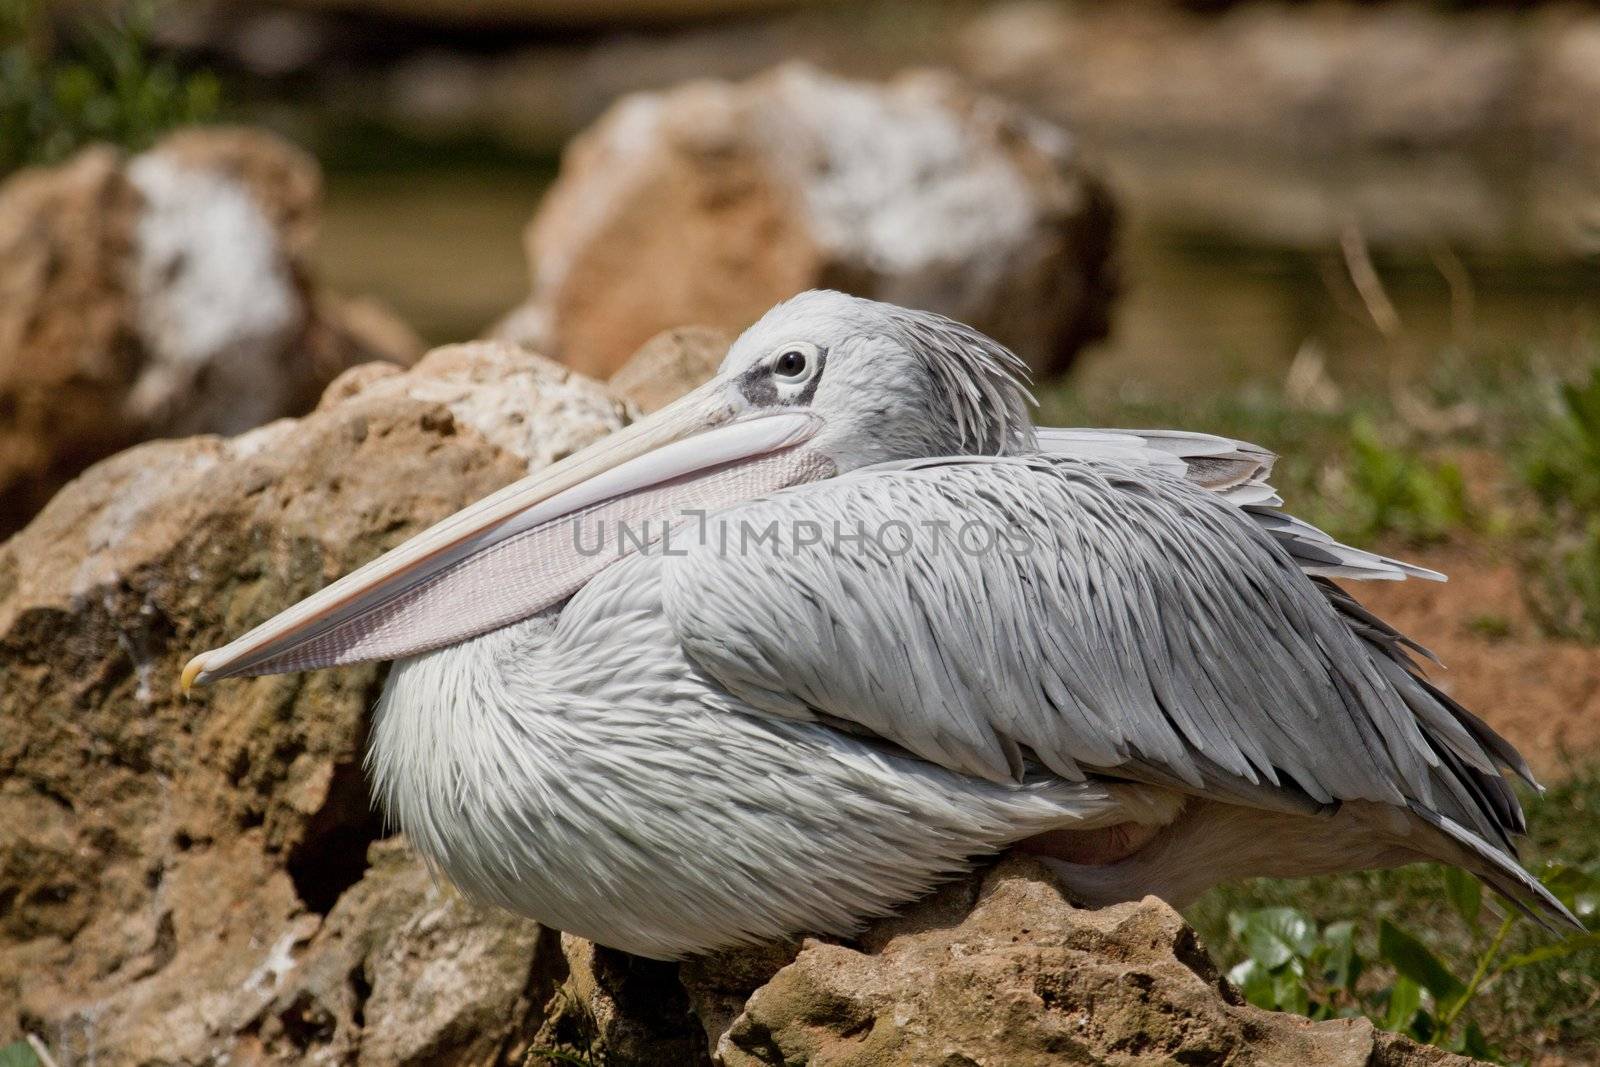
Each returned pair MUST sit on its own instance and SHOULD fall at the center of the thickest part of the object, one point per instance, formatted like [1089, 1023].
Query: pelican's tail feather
[1500, 871]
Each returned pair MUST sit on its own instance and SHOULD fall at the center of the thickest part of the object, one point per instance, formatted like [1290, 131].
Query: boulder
[204, 881]
[1004, 970]
[669, 365]
[710, 202]
[177, 874]
[160, 295]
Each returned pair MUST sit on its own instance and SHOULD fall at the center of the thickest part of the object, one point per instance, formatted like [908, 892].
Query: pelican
[841, 622]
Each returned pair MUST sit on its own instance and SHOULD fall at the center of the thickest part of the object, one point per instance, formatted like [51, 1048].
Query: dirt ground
[1544, 695]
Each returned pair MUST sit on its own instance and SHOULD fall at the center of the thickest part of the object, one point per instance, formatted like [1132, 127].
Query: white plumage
[713, 740]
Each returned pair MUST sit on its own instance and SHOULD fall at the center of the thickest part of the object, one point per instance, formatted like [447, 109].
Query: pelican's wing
[1238, 472]
[1097, 618]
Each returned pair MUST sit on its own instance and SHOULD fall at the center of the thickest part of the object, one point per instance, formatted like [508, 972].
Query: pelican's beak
[533, 543]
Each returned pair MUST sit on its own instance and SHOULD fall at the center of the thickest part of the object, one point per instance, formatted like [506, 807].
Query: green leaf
[1289, 990]
[1274, 936]
[1255, 982]
[1342, 964]
[1559, 950]
[1416, 961]
[1475, 1044]
[1465, 894]
[18, 1054]
[1405, 997]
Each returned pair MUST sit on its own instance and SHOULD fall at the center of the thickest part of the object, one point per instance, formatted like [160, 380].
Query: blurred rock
[186, 881]
[709, 203]
[1313, 77]
[1280, 124]
[1024, 978]
[161, 295]
[1258, 123]
[669, 365]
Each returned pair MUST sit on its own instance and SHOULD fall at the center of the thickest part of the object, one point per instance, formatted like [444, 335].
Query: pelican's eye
[792, 365]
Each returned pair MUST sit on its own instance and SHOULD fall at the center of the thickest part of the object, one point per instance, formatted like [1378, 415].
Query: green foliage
[1490, 625]
[1394, 492]
[1335, 469]
[550, 1055]
[1562, 461]
[1560, 546]
[1293, 964]
[18, 1054]
[1561, 568]
[102, 83]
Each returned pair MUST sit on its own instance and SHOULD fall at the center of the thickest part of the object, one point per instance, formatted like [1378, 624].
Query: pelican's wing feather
[1237, 471]
[1120, 620]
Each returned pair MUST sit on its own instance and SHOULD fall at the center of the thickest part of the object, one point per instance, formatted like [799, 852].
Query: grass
[1354, 472]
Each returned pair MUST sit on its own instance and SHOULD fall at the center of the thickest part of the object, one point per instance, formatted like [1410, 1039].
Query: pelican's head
[883, 382]
[823, 383]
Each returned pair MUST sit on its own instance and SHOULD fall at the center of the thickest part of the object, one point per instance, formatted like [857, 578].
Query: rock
[162, 295]
[669, 365]
[186, 880]
[437, 977]
[710, 202]
[1025, 978]
[623, 1010]
[1279, 125]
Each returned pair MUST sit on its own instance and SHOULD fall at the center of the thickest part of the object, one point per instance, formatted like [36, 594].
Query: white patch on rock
[215, 298]
[279, 961]
[540, 413]
[894, 179]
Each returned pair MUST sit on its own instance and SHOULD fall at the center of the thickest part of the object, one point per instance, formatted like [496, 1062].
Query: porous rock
[160, 295]
[173, 870]
[1023, 978]
[710, 202]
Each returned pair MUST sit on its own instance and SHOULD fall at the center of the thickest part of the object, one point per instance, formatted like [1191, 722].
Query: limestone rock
[1024, 979]
[162, 295]
[710, 202]
[176, 871]
[437, 978]
[669, 365]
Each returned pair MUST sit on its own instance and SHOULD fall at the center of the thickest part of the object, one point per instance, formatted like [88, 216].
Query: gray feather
[1149, 630]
